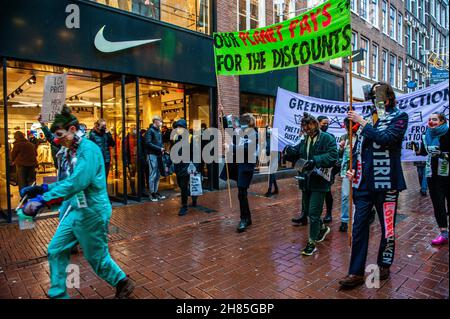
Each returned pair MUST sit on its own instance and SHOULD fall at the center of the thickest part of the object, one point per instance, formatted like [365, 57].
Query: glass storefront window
[190, 14]
[3, 193]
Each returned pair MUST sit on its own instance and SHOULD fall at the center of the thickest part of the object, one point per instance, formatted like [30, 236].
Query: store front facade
[172, 77]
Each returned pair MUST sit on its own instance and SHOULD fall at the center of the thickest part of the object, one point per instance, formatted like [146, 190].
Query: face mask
[324, 128]
[381, 110]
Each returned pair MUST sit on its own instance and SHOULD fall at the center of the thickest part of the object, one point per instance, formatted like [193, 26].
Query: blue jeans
[345, 192]
[153, 179]
[422, 178]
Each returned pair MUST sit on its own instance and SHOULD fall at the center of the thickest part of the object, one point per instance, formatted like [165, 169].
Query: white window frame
[355, 68]
[394, 24]
[367, 9]
[374, 57]
[384, 17]
[433, 8]
[400, 73]
[408, 39]
[384, 59]
[438, 13]
[432, 39]
[366, 57]
[392, 58]
[353, 6]
[261, 14]
[374, 16]
[400, 28]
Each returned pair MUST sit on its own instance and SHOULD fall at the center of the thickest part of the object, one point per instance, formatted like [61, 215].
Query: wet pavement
[200, 255]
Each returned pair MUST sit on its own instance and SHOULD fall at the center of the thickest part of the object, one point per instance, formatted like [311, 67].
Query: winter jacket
[444, 146]
[325, 154]
[24, 153]
[381, 153]
[153, 141]
[104, 141]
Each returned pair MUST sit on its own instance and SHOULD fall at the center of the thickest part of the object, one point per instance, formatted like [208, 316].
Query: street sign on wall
[438, 75]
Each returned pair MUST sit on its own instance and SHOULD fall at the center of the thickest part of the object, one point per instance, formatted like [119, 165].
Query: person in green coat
[86, 223]
[314, 156]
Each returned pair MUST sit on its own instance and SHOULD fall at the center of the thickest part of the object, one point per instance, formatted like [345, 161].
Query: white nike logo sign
[106, 46]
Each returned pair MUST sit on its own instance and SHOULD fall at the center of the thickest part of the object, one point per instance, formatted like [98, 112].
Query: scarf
[67, 158]
[431, 138]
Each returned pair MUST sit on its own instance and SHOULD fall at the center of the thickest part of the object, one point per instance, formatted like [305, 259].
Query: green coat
[324, 153]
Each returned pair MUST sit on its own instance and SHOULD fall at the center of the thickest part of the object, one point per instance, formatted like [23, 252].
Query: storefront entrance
[126, 103]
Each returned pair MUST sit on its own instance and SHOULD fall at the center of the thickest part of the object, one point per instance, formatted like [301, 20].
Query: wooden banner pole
[350, 140]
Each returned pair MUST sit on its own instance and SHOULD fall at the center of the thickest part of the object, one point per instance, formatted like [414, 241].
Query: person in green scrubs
[86, 223]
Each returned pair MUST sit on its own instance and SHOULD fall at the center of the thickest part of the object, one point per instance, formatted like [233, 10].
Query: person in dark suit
[377, 181]
[243, 151]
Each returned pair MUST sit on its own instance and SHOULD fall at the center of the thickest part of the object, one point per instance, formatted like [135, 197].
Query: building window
[416, 51]
[438, 13]
[392, 22]
[400, 74]
[251, 14]
[421, 11]
[354, 47]
[365, 61]
[375, 62]
[353, 5]
[432, 7]
[414, 7]
[363, 9]
[408, 39]
[384, 19]
[384, 66]
[285, 10]
[392, 70]
[400, 29]
[374, 13]
[408, 77]
[432, 39]
[190, 14]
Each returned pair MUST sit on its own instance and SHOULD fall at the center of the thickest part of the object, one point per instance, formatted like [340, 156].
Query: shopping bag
[165, 165]
[195, 184]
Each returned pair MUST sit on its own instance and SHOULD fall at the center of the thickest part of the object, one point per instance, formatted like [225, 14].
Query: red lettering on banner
[304, 25]
[292, 26]
[388, 213]
[280, 36]
[326, 14]
[243, 36]
[269, 35]
[314, 19]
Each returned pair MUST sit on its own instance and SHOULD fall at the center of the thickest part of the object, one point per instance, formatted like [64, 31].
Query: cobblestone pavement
[200, 255]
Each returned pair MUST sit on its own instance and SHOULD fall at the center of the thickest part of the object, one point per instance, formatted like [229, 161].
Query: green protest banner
[320, 34]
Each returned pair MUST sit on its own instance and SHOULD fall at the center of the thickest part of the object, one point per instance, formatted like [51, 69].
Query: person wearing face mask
[435, 145]
[377, 180]
[182, 162]
[324, 123]
[103, 138]
[155, 148]
[83, 190]
[317, 153]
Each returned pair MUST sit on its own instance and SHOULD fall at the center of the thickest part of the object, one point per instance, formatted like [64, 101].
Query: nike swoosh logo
[106, 46]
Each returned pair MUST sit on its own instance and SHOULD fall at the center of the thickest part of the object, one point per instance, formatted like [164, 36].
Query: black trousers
[243, 203]
[329, 202]
[386, 206]
[26, 175]
[438, 187]
[183, 184]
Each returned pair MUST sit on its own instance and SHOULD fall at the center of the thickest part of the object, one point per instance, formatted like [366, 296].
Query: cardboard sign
[54, 96]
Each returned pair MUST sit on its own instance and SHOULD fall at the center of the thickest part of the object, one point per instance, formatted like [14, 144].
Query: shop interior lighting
[19, 90]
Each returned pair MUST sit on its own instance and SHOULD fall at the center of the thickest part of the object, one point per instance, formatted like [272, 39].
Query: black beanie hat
[64, 120]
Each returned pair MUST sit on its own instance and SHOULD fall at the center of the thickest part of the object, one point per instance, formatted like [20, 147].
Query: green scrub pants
[90, 230]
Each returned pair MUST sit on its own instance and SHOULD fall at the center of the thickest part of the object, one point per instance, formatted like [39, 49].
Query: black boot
[268, 194]
[243, 224]
[301, 220]
[275, 191]
[183, 211]
[327, 218]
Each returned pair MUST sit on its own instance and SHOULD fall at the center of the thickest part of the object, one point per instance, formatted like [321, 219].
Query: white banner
[54, 96]
[419, 105]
